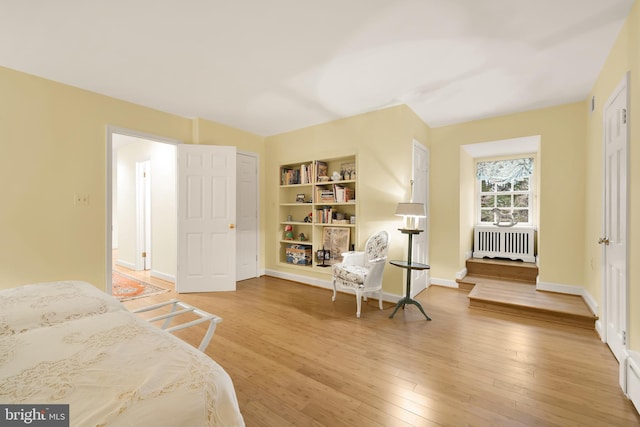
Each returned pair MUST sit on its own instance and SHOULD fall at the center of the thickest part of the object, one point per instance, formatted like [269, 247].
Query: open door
[206, 218]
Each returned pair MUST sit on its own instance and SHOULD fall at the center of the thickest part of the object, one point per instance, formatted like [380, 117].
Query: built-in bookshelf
[317, 211]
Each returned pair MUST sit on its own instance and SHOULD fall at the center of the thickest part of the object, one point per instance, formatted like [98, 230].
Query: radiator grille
[502, 242]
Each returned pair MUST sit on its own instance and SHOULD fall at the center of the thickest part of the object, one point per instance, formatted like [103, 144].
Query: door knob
[232, 226]
[603, 240]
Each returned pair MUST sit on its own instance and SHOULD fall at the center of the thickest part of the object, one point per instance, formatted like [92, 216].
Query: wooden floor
[297, 358]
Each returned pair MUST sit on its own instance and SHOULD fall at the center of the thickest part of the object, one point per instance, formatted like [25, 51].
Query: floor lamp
[411, 212]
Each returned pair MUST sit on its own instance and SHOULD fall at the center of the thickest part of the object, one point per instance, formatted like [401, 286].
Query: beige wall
[53, 140]
[562, 173]
[382, 142]
[624, 57]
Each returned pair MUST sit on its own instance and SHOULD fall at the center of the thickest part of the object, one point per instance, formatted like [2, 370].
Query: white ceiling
[270, 66]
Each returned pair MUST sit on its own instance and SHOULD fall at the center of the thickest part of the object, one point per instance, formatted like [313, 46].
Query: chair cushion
[350, 273]
[377, 246]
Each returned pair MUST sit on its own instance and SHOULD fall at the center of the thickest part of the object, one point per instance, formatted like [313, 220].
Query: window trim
[531, 192]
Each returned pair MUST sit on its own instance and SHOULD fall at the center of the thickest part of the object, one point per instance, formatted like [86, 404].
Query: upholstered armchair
[361, 272]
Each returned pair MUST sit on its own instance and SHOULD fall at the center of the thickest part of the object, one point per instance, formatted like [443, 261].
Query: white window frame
[531, 192]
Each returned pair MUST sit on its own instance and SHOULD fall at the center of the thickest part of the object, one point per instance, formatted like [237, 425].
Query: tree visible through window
[506, 185]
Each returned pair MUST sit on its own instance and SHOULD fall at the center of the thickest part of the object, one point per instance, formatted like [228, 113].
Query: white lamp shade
[411, 212]
[411, 209]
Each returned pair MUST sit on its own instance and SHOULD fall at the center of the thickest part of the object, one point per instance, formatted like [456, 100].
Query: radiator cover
[516, 243]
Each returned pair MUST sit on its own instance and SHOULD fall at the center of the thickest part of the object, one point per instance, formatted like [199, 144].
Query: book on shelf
[297, 175]
[324, 215]
[325, 195]
[343, 194]
[306, 171]
[289, 176]
[322, 169]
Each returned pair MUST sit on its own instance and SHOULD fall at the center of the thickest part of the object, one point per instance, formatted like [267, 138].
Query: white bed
[69, 343]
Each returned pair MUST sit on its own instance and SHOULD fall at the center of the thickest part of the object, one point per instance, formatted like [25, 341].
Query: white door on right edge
[615, 222]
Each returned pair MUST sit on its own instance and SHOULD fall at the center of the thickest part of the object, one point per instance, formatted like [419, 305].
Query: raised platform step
[503, 269]
[524, 300]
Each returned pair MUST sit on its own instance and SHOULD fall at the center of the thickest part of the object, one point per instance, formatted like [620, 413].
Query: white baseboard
[559, 288]
[164, 276]
[570, 290]
[326, 284]
[125, 264]
[444, 282]
[461, 274]
[590, 301]
[300, 278]
[575, 290]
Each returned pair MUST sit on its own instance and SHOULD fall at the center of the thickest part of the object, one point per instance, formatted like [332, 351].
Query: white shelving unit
[303, 208]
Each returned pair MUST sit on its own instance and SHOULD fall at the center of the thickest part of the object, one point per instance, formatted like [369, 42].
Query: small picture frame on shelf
[300, 198]
[322, 256]
[348, 171]
[322, 171]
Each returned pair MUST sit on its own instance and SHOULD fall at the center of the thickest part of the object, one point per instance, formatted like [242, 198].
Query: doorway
[163, 236]
[141, 209]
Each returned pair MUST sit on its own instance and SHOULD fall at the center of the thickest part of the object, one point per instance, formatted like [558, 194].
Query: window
[506, 185]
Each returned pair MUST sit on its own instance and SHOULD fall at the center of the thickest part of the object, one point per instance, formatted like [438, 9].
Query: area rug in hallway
[126, 288]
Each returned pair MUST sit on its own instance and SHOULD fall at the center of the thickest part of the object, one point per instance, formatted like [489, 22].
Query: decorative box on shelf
[298, 254]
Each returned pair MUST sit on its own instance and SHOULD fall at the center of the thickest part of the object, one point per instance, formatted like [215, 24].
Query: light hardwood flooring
[297, 358]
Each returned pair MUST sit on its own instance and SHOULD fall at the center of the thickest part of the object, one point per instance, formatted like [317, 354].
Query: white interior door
[206, 218]
[420, 279]
[615, 222]
[247, 216]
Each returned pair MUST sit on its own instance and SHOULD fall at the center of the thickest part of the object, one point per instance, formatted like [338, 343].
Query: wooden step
[521, 299]
[503, 269]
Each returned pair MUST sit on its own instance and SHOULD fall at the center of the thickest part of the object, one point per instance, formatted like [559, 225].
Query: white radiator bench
[504, 242]
[186, 308]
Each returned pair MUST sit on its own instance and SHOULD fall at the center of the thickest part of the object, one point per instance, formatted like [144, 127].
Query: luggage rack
[186, 308]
